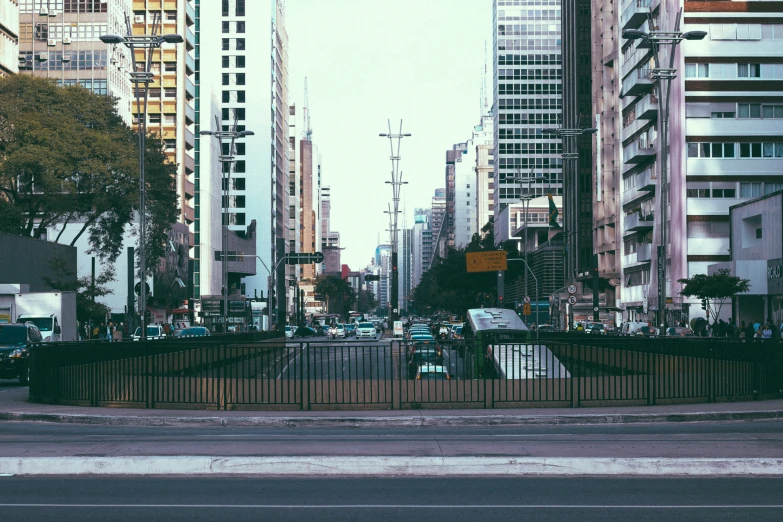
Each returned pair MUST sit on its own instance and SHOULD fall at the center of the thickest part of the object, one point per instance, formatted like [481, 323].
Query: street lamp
[538, 325]
[656, 39]
[396, 182]
[148, 44]
[226, 163]
[526, 207]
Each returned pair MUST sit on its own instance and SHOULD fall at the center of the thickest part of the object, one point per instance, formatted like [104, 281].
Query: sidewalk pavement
[15, 406]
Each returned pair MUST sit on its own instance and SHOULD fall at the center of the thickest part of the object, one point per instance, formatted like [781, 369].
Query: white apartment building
[485, 170]
[9, 37]
[527, 96]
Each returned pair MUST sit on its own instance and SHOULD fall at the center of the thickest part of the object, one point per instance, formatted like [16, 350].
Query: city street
[389, 499]
[757, 439]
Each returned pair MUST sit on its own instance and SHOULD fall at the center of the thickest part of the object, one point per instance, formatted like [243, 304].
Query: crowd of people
[756, 329]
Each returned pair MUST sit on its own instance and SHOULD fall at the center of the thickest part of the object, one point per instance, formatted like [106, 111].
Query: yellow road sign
[526, 309]
[486, 261]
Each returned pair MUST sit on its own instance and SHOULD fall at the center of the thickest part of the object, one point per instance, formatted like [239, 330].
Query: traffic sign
[395, 310]
[572, 299]
[526, 309]
[304, 258]
[526, 299]
[572, 289]
[489, 261]
[137, 288]
[595, 309]
[372, 277]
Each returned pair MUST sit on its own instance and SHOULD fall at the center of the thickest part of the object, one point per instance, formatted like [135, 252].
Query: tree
[67, 158]
[340, 296]
[715, 288]
[367, 301]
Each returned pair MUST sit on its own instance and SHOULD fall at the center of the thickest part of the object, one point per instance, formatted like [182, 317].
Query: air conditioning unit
[53, 13]
[138, 19]
[51, 43]
[66, 57]
[42, 57]
[135, 121]
[66, 40]
[43, 12]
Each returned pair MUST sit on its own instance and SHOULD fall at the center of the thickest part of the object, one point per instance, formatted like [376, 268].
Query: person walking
[767, 332]
[117, 333]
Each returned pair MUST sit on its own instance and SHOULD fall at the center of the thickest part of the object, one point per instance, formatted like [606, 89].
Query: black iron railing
[236, 372]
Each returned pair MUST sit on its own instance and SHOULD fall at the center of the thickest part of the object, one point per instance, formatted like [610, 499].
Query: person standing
[767, 332]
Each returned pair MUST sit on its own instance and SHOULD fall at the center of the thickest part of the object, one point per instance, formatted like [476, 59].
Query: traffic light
[704, 304]
[500, 300]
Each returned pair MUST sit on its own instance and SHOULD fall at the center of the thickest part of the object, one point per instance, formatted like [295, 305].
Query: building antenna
[306, 111]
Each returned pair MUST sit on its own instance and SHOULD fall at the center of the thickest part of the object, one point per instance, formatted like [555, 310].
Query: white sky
[368, 61]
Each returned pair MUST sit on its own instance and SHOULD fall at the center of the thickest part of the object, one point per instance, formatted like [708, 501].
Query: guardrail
[556, 371]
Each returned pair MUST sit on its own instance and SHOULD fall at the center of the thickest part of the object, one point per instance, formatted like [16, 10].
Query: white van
[632, 327]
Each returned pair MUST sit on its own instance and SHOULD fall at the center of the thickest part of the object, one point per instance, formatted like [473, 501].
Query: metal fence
[233, 373]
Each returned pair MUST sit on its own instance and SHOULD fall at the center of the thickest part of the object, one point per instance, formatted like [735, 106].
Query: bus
[325, 319]
[505, 348]
[355, 317]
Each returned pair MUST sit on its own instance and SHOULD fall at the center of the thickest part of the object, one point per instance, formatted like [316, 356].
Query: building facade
[9, 37]
[485, 171]
[527, 96]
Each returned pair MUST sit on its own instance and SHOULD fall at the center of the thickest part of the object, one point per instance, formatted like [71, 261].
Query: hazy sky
[368, 61]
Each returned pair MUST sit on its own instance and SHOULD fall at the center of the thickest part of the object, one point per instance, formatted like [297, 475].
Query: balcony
[637, 83]
[190, 39]
[643, 185]
[190, 89]
[190, 13]
[190, 140]
[190, 63]
[634, 13]
[189, 163]
[636, 222]
[188, 188]
[647, 108]
[189, 213]
[640, 150]
[643, 253]
[190, 115]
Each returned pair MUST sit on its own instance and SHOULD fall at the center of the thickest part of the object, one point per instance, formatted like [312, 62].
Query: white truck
[54, 313]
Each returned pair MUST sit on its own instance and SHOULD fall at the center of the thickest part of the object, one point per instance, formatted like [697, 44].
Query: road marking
[400, 506]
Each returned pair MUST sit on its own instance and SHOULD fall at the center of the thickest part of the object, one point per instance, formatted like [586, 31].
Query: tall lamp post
[226, 162]
[527, 267]
[525, 198]
[396, 182]
[141, 75]
[657, 39]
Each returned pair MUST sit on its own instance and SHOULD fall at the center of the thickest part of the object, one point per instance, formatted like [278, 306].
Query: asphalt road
[390, 499]
[755, 439]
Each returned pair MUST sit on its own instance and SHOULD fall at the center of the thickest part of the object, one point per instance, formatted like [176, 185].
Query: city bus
[355, 317]
[325, 319]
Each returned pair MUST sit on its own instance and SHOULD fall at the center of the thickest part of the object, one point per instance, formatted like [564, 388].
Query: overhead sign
[490, 261]
[372, 277]
[299, 258]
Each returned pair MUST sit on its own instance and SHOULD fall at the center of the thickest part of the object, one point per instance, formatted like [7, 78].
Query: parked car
[194, 331]
[15, 343]
[431, 372]
[154, 332]
[365, 331]
[679, 331]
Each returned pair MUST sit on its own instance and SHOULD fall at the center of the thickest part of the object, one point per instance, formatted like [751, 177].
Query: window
[711, 150]
[240, 62]
[226, 96]
[772, 111]
[171, 16]
[750, 190]
[226, 62]
[226, 43]
[170, 93]
[240, 114]
[225, 7]
[169, 119]
[239, 167]
[697, 70]
[241, 96]
[240, 78]
[154, 119]
[170, 67]
[749, 70]
[225, 79]
[170, 144]
[240, 10]
[724, 193]
[237, 219]
[226, 27]
[240, 149]
[240, 44]
[239, 183]
[769, 188]
[749, 110]
[240, 27]
[698, 193]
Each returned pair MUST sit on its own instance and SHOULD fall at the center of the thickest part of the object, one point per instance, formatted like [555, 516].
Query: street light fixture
[226, 162]
[148, 44]
[656, 39]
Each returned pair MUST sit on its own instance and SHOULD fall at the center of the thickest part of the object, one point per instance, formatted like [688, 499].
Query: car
[154, 332]
[411, 333]
[365, 331]
[679, 331]
[289, 331]
[456, 332]
[305, 331]
[378, 326]
[15, 343]
[350, 329]
[595, 328]
[632, 327]
[647, 331]
[432, 372]
[194, 331]
[421, 356]
[340, 331]
[546, 328]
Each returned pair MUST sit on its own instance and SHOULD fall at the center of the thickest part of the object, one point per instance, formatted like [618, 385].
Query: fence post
[304, 375]
[94, 384]
[652, 376]
[574, 375]
[711, 372]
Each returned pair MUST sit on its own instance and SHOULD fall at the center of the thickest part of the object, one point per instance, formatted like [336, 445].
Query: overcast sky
[368, 61]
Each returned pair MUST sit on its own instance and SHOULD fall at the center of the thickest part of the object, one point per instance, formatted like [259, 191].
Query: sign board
[231, 255]
[397, 328]
[526, 309]
[490, 261]
[299, 258]
[372, 277]
[775, 276]
[645, 303]
[526, 299]
[572, 299]
[571, 289]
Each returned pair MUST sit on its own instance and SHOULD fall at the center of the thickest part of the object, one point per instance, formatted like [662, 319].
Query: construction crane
[306, 112]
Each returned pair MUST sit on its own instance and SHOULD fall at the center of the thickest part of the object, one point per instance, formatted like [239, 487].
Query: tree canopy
[339, 294]
[67, 158]
[714, 288]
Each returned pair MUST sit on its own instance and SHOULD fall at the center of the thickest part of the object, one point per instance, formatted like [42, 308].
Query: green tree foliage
[715, 288]
[66, 157]
[367, 301]
[340, 296]
[86, 293]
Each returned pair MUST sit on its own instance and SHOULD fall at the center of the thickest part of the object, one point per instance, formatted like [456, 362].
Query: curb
[390, 466]
[411, 421]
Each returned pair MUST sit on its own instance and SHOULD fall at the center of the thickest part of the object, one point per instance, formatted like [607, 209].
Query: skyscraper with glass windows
[527, 95]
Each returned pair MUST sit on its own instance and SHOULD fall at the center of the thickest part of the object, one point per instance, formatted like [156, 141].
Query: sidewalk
[14, 406]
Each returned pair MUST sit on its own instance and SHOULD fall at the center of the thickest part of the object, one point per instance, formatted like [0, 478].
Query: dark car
[423, 355]
[305, 331]
[15, 343]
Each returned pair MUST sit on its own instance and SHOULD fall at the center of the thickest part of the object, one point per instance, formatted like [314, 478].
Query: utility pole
[396, 182]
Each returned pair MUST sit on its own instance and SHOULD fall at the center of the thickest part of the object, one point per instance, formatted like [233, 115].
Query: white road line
[400, 506]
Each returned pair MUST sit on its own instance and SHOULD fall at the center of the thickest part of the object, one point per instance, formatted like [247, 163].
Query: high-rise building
[405, 268]
[293, 195]
[527, 96]
[326, 213]
[309, 239]
[9, 37]
[437, 220]
[607, 195]
[485, 171]
[61, 41]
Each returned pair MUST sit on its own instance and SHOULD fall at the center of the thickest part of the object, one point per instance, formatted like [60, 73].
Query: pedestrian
[751, 331]
[767, 332]
[101, 331]
[117, 333]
